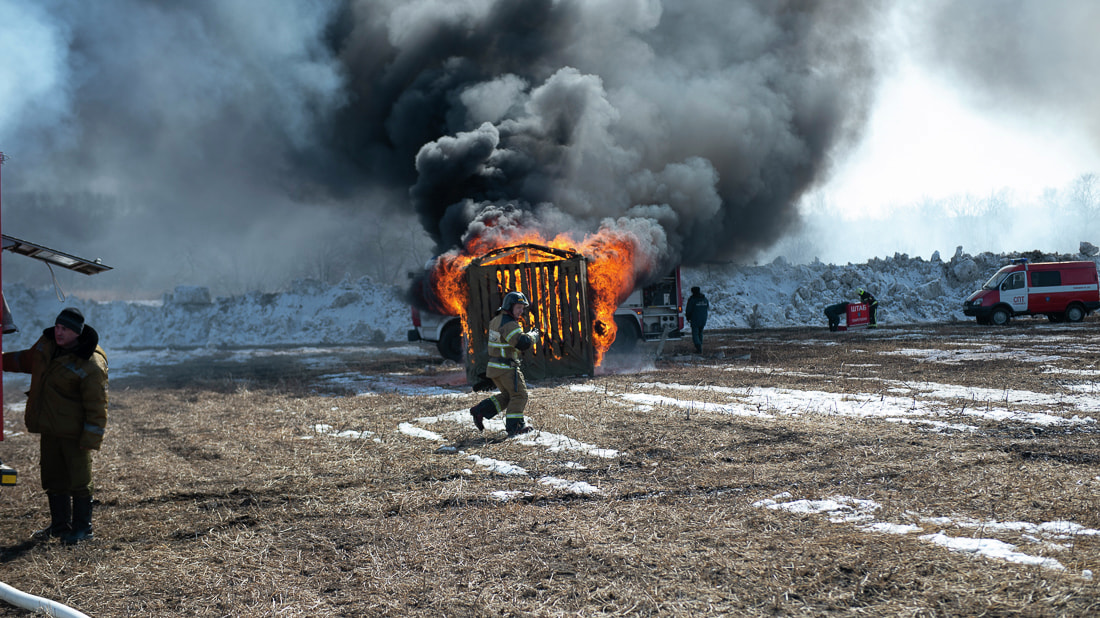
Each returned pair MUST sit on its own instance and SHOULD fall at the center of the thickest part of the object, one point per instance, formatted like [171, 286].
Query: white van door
[1014, 291]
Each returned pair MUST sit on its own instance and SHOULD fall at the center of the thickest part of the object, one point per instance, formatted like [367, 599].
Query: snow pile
[359, 312]
[909, 290]
[779, 294]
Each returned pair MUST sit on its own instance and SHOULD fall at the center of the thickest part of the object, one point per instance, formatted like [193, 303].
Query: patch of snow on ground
[573, 487]
[991, 548]
[772, 402]
[861, 513]
[985, 354]
[417, 432]
[506, 468]
[839, 509]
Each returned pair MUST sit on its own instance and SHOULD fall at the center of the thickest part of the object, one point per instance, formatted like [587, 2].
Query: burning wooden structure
[556, 283]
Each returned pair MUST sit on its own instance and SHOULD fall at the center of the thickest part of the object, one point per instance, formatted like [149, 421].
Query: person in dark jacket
[67, 406]
[833, 313]
[506, 341]
[696, 313]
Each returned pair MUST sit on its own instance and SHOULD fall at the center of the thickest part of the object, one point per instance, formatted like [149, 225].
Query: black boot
[485, 409]
[61, 515]
[82, 521]
[515, 427]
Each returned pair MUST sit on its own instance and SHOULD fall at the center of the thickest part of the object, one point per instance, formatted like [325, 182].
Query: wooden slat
[557, 290]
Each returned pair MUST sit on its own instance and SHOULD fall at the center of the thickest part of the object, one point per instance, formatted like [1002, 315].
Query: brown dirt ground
[211, 502]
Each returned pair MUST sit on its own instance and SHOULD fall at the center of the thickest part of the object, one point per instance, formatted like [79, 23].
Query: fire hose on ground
[21, 599]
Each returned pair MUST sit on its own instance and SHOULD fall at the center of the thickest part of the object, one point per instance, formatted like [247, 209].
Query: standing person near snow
[67, 406]
[872, 305]
[506, 341]
[696, 313]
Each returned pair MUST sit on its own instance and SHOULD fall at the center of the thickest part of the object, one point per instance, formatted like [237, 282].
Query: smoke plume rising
[226, 143]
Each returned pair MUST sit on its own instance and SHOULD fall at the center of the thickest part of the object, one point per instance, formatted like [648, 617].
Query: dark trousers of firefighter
[697, 336]
[512, 398]
[65, 467]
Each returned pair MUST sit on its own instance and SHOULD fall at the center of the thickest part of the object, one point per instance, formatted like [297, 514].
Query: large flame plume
[612, 265]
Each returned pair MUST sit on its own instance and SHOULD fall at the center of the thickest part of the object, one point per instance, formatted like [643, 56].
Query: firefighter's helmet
[510, 299]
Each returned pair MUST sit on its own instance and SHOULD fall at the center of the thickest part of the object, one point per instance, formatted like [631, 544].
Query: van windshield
[996, 279]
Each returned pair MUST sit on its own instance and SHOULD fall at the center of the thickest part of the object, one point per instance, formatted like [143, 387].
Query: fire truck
[648, 314]
[1062, 291]
[51, 257]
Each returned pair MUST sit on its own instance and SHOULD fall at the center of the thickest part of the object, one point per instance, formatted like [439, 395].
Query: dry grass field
[908, 471]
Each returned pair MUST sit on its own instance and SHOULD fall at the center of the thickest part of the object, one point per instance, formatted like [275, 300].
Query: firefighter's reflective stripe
[503, 344]
[77, 370]
[8, 475]
[504, 332]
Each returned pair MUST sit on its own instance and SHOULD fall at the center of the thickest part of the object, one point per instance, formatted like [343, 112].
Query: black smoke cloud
[707, 119]
[247, 142]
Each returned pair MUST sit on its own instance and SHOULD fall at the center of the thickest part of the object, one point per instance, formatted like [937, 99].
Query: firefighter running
[506, 341]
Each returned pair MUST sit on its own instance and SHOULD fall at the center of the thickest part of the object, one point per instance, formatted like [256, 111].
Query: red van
[1062, 291]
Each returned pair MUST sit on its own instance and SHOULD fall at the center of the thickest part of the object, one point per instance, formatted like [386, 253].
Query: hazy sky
[1009, 109]
[241, 143]
[924, 141]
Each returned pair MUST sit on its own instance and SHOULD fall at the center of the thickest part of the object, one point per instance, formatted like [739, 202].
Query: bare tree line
[1002, 220]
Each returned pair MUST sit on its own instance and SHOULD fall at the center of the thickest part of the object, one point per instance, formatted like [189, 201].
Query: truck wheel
[627, 335]
[999, 316]
[1075, 313]
[450, 342]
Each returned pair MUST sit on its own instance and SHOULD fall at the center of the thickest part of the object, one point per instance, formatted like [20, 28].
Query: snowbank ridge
[779, 294]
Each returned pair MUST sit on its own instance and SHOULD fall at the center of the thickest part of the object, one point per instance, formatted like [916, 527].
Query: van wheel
[450, 342]
[1075, 313]
[626, 335]
[999, 316]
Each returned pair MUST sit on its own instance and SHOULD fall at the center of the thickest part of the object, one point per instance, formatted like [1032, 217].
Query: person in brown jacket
[67, 406]
[506, 341]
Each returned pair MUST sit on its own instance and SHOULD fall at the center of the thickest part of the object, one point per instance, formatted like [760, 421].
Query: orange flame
[611, 274]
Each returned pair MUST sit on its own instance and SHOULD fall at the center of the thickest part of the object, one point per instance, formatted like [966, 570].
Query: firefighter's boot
[61, 515]
[82, 521]
[515, 427]
[485, 409]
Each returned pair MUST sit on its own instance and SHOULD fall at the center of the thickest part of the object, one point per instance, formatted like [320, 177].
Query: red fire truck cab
[1062, 291]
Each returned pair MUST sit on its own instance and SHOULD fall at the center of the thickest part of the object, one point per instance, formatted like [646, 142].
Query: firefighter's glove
[533, 334]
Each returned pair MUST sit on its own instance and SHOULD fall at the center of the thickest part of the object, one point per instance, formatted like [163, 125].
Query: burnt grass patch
[229, 490]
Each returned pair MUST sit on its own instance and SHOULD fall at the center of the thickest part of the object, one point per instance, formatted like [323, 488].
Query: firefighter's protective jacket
[697, 308]
[68, 395]
[506, 341]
